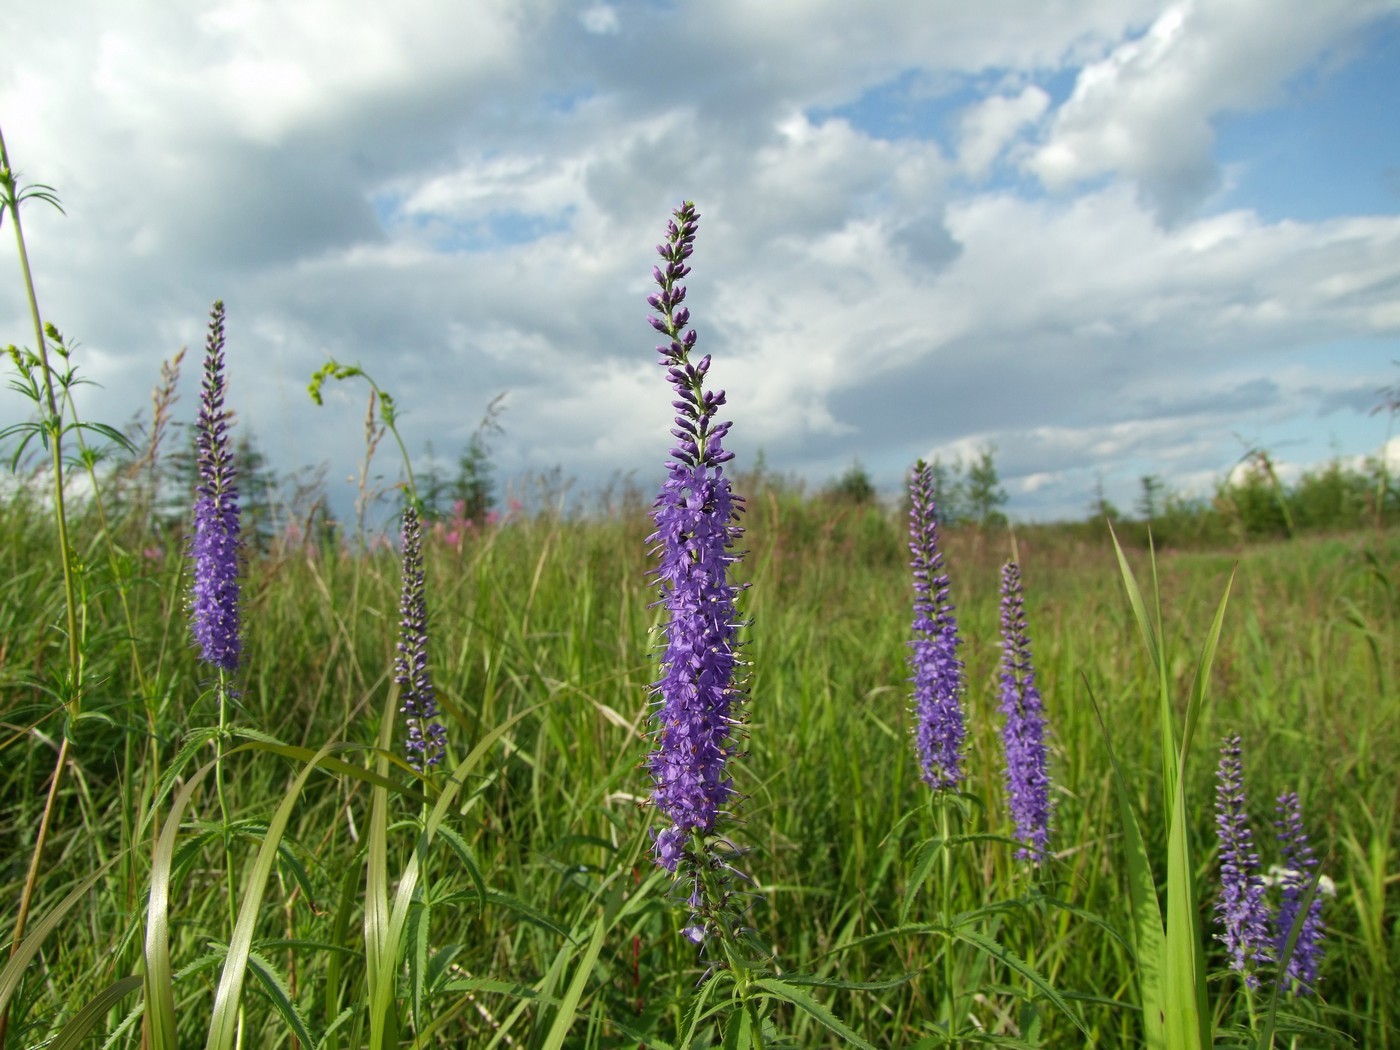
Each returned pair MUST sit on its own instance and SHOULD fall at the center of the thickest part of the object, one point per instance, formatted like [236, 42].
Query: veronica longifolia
[215, 544]
[937, 671]
[1023, 734]
[698, 702]
[426, 736]
[1240, 912]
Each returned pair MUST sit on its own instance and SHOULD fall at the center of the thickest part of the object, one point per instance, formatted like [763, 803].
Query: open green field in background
[547, 620]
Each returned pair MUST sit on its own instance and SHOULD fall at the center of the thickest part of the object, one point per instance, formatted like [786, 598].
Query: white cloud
[601, 19]
[990, 126]
[1145, 109]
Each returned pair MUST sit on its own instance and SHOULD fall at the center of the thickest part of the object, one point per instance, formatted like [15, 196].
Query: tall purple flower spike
[1240, 912]
[427, 738]
[937, 670]
[1299, 864]
[1023, 735]
[215, 543]
[698, 703]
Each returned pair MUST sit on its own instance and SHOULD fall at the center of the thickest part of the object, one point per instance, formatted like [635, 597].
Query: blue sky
[1111, 238]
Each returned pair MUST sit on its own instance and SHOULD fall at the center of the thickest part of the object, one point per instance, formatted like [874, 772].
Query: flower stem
[10, 197]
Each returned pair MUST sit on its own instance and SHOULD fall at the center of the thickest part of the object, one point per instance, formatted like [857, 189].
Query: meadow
[215, 832]
[542, 624]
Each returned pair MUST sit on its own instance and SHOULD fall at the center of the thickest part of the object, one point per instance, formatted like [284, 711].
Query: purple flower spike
[698, 703]
[427, 738]
[938, 672]
[1027, 783]
[215, 543]
[1299, 864]
[1240, 912]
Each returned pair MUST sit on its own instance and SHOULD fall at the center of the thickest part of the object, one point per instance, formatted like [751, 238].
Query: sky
[1108, 238]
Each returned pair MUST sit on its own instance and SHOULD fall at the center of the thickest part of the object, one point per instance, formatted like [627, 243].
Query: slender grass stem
[54, 429]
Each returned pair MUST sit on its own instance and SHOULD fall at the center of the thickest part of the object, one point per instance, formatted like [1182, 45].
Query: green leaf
[275, 987]
[223, 1022]
[798, 997]
[73, 1033]
[568, 1008]
[22, 956]
[1149, 937]
[1007, 957]
[160, 990]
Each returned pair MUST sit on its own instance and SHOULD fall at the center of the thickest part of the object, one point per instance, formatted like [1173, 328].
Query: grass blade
[223, 1022]
[74, 1032]
[568, 1006]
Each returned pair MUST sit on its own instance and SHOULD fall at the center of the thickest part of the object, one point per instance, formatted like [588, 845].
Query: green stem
[946, 895]
[10, 203]
[223, 692]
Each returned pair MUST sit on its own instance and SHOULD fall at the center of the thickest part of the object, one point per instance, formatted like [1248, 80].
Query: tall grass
[545, 622]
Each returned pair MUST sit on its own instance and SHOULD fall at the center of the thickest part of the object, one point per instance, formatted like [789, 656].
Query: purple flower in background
[1027, 783]
[1299, 864]
[214, 546]
[938, 673]
[1240, 912]
[427, 738]
[697, 700]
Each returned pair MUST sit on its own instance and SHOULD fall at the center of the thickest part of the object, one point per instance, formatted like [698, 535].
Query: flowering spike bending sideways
[1023, 735]
[427, 739]
[1240, 912]
[214, 546]
[698, 704]
[937, 670]
[1299, 865]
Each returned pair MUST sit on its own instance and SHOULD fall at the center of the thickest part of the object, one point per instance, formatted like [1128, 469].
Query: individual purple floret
[1023, 736]
[698, 703]
[1299, 864]
[215, 543]
[938, 672]
[427, 738]
[1240, 912]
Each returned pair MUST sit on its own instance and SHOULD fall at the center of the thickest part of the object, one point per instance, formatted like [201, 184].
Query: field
[539, 917]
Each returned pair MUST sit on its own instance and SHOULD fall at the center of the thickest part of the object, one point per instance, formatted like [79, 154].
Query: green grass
[537, 917]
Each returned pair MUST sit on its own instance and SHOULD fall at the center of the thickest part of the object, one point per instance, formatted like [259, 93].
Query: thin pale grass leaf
[1149, 935]
[1187, 1000]
[1202, 677]
[568, 1008]
[335, 765]
[159, 981]
[1269, 1025]
[73, 1034]
[223, 1022]
[23, 954]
